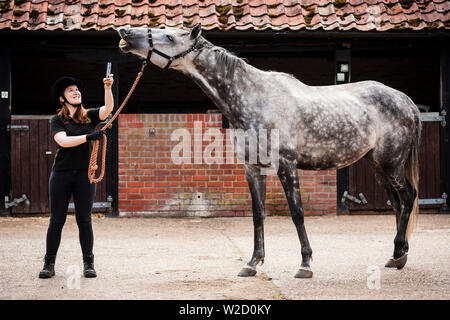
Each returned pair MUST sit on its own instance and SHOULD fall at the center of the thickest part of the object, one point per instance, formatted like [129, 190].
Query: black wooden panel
[18, 146]
[33, 175]
[112, 159]
[429, 161]
[445, 131]
[27, 166]
[362, 179]
[45, 163]
[5, 118]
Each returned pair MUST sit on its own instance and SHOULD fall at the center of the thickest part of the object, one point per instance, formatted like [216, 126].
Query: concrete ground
[199, 258]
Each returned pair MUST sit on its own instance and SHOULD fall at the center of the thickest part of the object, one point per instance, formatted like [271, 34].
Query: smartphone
[108, 69]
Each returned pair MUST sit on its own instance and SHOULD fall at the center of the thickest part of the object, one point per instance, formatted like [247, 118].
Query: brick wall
[150, 183]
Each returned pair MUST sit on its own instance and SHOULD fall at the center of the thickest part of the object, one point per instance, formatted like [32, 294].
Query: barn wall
[151, 184]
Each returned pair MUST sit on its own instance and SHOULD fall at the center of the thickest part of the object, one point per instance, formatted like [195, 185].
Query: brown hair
[79, 116]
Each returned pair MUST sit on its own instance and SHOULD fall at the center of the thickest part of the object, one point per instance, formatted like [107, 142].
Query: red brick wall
[151, 184]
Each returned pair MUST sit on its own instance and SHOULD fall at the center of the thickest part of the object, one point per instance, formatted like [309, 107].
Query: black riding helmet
[61, 84]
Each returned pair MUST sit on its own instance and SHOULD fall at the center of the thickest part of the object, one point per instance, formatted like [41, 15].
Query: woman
[73, 128]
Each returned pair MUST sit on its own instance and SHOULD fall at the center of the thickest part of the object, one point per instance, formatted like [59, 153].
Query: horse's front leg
[287, 172]
[257, 185]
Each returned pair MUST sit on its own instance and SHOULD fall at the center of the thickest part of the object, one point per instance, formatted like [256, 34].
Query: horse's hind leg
[407, 194]
[288, 175]
[395, 202]
[382, 179]
[257, 185]
[392, 194]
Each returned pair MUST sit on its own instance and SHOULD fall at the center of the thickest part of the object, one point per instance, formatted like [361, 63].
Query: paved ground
[199, 258]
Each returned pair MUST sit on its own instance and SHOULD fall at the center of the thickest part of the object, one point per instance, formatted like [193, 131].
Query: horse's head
[163, 45]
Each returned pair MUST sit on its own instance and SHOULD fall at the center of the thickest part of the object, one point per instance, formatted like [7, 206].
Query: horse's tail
[412, 174]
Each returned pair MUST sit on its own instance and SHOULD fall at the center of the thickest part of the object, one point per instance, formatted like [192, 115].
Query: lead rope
[93, 161]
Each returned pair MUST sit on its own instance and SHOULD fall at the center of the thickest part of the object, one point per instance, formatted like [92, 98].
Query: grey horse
[319, 127]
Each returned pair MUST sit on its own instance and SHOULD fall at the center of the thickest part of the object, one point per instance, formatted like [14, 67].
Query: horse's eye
[170, 38]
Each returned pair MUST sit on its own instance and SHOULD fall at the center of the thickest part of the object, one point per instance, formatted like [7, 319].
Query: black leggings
[62, 185]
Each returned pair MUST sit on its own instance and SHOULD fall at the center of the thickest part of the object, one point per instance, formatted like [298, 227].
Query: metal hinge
[434, 117]
[362, 199]
[441, 201]
[16, 201]
[96, 205]
[15, 127]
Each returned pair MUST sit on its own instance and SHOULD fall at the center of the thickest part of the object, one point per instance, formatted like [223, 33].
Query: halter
[162, 54]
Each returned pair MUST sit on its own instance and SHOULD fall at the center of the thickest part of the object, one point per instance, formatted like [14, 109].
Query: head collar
[170, 59]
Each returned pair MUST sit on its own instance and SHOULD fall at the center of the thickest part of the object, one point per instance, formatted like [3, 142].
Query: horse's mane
[226, 60]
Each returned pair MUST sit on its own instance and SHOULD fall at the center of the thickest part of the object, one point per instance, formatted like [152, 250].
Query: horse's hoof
[247, 271]
[390, 263]
[400, 262]
[304, 273]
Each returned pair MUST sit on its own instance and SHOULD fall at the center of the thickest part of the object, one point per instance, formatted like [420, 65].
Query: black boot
[89, 271]
[48, 270]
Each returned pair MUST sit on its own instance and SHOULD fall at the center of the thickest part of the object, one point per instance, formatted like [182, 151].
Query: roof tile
[341, 15]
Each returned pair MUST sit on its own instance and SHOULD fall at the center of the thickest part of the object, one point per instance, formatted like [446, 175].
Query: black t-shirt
[74, 158]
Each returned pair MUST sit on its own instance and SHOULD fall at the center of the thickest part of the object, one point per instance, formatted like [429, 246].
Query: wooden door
[32, 154]
[362, 179]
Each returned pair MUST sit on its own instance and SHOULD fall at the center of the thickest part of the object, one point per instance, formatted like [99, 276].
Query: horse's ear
[196, 31]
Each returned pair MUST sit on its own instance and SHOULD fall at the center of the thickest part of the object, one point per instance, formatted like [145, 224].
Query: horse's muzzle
[124, 43]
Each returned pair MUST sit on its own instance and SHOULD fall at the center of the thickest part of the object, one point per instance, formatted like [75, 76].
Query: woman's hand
[96, 135]
[108, 81]
[109, 99]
